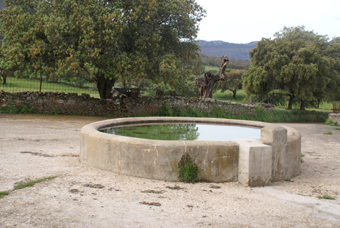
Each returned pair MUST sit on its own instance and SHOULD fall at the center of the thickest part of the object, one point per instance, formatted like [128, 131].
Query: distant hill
[2, 6]
[232, 50]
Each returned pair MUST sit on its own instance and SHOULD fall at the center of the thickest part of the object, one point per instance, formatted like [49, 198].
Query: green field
[241, 95]
[20, 85]
[324, 107]
[228, 96]
[211, 68]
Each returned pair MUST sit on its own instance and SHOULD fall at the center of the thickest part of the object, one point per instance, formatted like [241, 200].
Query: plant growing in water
[188, 170]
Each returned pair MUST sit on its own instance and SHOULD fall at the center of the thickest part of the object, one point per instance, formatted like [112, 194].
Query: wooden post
[40, 82]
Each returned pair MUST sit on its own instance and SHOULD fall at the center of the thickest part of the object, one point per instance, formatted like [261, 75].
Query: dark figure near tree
[206, 83]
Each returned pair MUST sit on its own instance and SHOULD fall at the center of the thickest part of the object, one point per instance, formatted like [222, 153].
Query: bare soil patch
[36, 146]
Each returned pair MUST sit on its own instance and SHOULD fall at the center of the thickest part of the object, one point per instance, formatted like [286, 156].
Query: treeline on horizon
[209, 60]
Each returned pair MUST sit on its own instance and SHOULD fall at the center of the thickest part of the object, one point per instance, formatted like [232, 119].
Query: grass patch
[2, 194]
[261, 114]
[326, 197]
[302, 155]
[32, 182]
[21, 84]
[331, 123]
[55, 112]
[288, 180]
[338, 128]
[328, 133]
[27, 184]
[324, 107]
[211, 68]
[286, 116]
[228, 96]
[14, 109]
[187, 169]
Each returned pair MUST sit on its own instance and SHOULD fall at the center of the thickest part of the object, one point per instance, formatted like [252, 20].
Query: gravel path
[35, 146]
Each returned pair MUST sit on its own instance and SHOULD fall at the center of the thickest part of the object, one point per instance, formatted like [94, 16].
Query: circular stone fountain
[254, 162]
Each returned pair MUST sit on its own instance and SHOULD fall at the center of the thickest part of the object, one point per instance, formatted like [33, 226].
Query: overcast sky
[243, 21]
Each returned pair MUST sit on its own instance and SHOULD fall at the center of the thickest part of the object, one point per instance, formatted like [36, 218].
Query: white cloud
[244, 21]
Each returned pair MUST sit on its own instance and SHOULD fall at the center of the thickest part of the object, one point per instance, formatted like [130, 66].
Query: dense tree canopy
[298, 63]
[333, 88]
[104, 40]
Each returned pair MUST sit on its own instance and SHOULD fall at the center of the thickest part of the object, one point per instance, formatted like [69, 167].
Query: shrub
[13, 109]
[331, 123]
[188, 170]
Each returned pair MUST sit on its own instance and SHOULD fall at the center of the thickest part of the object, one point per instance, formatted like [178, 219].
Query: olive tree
[295, 62]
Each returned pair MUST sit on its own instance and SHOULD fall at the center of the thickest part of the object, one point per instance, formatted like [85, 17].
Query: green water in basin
[186, 132]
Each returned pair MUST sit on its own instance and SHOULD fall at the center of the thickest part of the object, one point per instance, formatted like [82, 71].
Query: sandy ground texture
[34, 146]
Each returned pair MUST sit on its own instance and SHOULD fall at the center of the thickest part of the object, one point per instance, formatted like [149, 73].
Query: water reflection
[186, 132]
[159, 132]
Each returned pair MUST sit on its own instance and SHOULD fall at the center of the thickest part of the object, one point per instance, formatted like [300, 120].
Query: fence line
[14, 84]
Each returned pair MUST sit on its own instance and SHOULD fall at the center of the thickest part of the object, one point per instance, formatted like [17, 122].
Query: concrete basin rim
[137, 157]
[130, 120]
[93, 128]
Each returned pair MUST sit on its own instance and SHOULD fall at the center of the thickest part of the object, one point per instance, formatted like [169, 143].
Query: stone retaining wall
[72, 103]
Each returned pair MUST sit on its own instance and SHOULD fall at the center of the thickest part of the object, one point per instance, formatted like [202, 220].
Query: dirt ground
[35, 146]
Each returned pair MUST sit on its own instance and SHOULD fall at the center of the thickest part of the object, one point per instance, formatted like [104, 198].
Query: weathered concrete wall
[286, 151]
[156, 159]
[293, 154]
[255, 163]
[335, 117]
[276, 137]
[247, 161]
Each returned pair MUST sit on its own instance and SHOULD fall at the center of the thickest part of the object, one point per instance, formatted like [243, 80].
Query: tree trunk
[290, 103]
[303, 105]
[206, 83]
[104, 86]
[41, 79]
[207, 92]
[318, 102]
[4, 80]
[234, 94]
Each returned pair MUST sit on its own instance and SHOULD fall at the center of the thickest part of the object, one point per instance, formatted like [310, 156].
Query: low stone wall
[335, 117]
[72, 103]
[61, 103]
